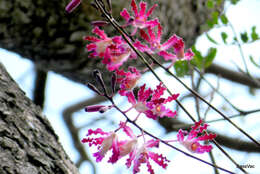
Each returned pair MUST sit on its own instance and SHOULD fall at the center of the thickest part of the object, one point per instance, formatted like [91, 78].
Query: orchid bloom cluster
[136, 151]
[114, 52]
[192, 140]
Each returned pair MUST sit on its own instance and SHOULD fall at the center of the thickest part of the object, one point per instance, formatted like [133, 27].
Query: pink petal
[159, 32]
[159, 159]
[151, 10]
[170, 114]
[117, 40]
[152, 35]
[142, 6]
[158, 91]
[100, 33]
[152, 23]
[129, 132]
[98, 156]
[206, 137]
[91, 47]
[115, 153]
[124, 13]
[150, 114]
[131, 97]
[143, 94]
[167, 56]
[97, 131]
[180, 135]
[189, 54]
[204, 148]
[149, 166]
[169, 43]
[145, 36]
[92, 39]
[141, 47]
[134, 8]
[152, 143]
[171, 98]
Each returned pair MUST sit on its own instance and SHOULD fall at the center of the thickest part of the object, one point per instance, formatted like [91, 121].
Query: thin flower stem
[212, 158]
[234, 116]
[210, 100]
[166, 143]
[242, 53]
[239, 47]
[205, 101]
[219, 93]
[197, 104]
[227, 155]
[124, 34]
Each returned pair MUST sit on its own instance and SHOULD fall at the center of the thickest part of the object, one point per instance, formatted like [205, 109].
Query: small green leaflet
[224, 37]
[253, 61]
[203, 61]
[211, 39]
[254, 35]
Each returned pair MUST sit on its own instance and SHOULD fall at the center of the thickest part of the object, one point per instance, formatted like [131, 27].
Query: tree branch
[227, 141]
[233, 76]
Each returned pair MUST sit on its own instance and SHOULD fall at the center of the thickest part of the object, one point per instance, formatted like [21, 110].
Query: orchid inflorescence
[114, 52]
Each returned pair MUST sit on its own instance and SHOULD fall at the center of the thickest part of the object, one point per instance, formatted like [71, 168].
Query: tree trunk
[42, 31]
[28, 144]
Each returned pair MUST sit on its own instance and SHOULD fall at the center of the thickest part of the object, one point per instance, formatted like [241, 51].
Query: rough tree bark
[28, 144]
[42, 31]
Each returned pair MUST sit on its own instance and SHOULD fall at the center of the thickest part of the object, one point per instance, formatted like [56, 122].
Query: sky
[61, 93]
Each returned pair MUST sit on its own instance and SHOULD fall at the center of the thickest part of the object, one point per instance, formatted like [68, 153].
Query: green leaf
[253, 61]
[211, 39]
[244, 37]
[181, 68]
[214, 16]
[210, 4]
[210, 57]
[197, 58]
[234, 1]
[210, 23]
[224, 37]
[224, 19]
[213, 20]
[254, 35]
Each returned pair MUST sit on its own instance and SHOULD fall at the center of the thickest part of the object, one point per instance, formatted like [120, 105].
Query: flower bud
[97, 108]
[72, 5]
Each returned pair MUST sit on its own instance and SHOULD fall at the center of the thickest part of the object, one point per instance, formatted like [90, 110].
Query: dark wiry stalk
[164, 142]
[124, 34]
[219, 93]
[236, 115]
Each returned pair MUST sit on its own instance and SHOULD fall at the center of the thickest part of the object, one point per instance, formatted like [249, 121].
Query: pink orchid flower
[156, 104]
[105, 143]
[114, 51]
[151, 103]
[155, 46]
[140, 103]
[116, 54]
[99, 45]
[127, 80]
[140, 17]
[192, 141]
